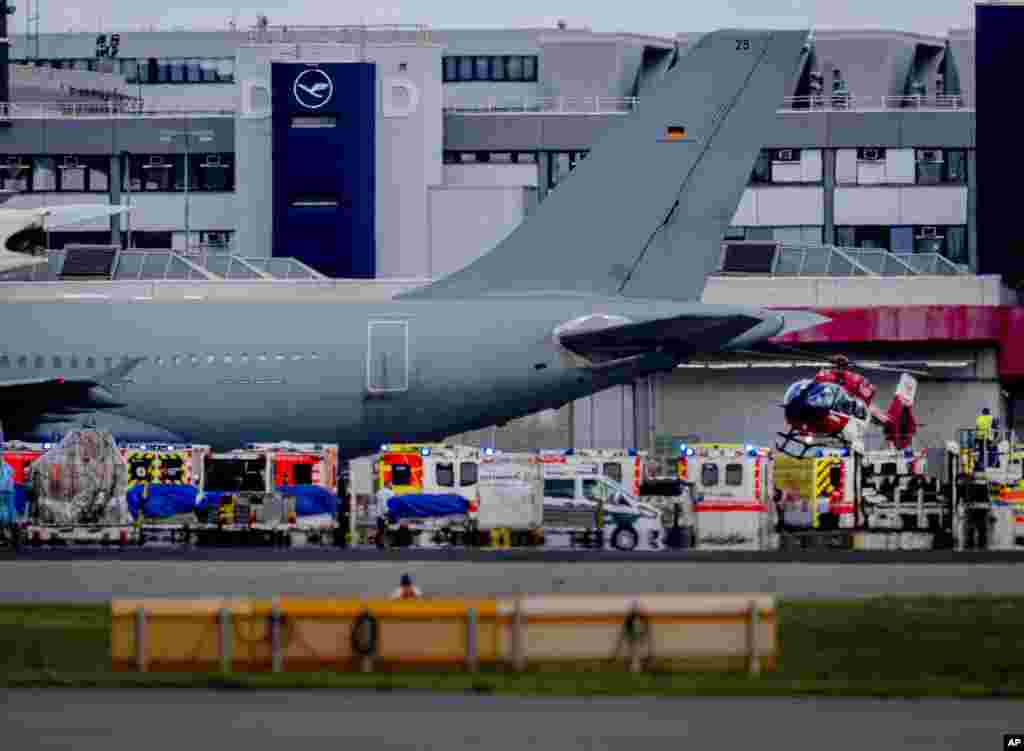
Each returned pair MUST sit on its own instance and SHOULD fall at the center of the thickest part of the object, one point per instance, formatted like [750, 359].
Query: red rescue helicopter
[833, 410]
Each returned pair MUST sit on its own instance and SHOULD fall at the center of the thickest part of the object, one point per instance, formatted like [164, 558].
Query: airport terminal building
[396, 155]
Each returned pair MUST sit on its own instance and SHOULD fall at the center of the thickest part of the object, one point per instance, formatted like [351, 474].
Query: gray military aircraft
[596, 289]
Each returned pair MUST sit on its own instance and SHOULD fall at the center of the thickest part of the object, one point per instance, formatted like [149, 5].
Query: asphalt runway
[110, 720]
[98, 580]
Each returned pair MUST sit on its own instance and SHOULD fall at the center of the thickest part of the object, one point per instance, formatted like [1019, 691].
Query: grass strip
[883, 647]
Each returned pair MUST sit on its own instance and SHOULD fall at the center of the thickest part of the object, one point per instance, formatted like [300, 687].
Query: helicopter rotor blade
[885, 369]
[791, 353]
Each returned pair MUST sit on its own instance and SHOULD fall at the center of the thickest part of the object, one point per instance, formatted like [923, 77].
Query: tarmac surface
[97, 720]
[68, 576]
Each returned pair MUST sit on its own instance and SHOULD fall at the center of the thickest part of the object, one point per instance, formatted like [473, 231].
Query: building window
[450, 69]
[863, 237]
[15, 173]
[212, 172]
[949, 241]
[762, 172]
[462, 68]
[941, 166]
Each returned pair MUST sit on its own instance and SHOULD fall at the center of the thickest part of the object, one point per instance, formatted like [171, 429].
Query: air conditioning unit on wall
[871, 155]
[933, 156]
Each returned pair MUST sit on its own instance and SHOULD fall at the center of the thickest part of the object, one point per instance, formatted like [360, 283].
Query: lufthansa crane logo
[313, 88]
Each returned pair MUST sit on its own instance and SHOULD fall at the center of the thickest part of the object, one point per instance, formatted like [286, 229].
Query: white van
[572, 492]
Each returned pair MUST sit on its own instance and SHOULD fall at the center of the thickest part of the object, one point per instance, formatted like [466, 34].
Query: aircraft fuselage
[356, 374]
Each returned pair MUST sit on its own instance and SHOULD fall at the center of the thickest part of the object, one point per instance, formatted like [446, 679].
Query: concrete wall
[406, 164]
[490, 175]
[467, 221]
[194, 96]
[254, 152]
[782, 206]
[938, 204]
[207, 211]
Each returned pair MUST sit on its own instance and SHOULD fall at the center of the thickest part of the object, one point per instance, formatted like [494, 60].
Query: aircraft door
[387, 359]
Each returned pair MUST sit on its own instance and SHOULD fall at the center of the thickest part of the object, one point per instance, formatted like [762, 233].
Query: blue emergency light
[46, 446]
[751, 450]
[632, 452]
[682, 448]
[689, 452]
[488, 452]
[425, 452]
[384, 447]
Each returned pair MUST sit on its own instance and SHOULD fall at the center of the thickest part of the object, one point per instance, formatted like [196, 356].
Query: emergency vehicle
[445, 474]
[733, 482]
[826, 482]
[241, 502]
[302, 464]
[624, 466]
[20, 455]
[164, 464]
[577, 491]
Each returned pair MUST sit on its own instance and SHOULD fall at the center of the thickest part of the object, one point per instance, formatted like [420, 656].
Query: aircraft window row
[74, 362]
[150, 69]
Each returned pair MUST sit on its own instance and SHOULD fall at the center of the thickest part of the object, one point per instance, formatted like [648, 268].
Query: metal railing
[199, 264]
[830, 260]
[103, 110]
[602, 105]
[848, 102]
[358, 34]
[588, 105]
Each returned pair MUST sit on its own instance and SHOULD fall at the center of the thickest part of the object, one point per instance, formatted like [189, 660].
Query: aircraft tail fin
[643, 215]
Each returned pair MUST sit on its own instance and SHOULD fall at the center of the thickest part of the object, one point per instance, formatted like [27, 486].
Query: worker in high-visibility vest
[983, 436]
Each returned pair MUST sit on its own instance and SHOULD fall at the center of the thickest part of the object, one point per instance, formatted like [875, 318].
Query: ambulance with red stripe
[734, 486]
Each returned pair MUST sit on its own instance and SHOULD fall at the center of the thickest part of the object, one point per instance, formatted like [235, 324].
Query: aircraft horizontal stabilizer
[681, 335]
[55, 393]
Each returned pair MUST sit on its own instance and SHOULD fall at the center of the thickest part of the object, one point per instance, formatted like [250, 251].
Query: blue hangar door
[323, 166]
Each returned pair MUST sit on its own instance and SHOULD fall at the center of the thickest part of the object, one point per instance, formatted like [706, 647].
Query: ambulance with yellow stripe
[819, 491]
[734, 487]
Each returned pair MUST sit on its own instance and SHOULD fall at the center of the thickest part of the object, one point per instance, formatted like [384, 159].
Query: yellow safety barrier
[665, 632]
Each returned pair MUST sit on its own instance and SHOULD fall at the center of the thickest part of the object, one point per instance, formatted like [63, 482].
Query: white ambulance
[425, 478]
[734, 506]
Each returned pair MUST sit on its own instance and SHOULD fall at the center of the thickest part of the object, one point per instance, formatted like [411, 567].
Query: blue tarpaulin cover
[310, 500]
[6, 494]
[21, 499]
[426, 505]
[163, 501]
